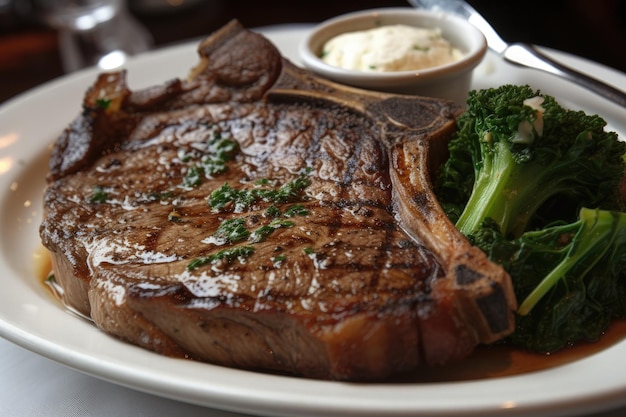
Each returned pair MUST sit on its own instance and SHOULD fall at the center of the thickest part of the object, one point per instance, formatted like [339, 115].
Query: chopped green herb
[98, 195]
[278, 258]
[209, 161]
[223, 148]
[260, 234]
[193, 178]
[232, 230]
[308, 251]
[226, 196]
[296, 210]
[213, 166]
[103, 103]
[292, 190]
[272, 211]
[228, 255]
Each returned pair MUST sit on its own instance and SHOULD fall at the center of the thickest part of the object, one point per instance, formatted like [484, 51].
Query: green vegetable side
[536, 186]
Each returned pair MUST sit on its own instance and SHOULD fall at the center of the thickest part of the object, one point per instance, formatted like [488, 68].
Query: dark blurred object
[28, 51]
[596, 31]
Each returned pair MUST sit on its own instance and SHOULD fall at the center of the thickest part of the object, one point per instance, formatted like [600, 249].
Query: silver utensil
[519, 53]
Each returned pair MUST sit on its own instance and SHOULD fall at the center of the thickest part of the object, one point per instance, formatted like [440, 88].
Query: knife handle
[528, 56]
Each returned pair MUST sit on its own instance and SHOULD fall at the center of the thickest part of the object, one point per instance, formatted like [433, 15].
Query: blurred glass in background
[98, 33]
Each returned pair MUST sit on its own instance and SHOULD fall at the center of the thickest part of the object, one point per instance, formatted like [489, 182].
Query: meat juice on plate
[494, 361]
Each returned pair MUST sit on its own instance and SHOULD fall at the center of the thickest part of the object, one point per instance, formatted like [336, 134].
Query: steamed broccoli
[517, 152]
[568, 277]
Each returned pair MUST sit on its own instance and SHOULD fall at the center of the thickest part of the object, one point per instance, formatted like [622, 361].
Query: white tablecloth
[33, 386]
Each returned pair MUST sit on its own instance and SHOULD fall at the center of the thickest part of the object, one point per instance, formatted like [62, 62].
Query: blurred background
[30, 55]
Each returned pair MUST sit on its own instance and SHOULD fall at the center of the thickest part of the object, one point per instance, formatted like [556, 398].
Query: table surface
[31, 385]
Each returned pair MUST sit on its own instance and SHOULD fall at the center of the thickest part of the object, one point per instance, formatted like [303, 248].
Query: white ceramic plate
[30, 317]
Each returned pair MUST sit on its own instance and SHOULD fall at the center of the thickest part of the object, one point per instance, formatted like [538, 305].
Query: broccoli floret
[568, 277]
[518, 157]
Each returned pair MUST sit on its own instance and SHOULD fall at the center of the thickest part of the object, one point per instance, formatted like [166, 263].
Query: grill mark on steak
[362, 286]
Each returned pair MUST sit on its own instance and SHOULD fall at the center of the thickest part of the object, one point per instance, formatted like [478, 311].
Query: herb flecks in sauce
[406, 48]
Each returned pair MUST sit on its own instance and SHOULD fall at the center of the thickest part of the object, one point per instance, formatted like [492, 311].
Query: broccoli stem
[510, 193]
[596, 233]
[488, 194]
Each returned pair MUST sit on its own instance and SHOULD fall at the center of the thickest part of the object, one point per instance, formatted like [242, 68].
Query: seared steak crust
[258, 217]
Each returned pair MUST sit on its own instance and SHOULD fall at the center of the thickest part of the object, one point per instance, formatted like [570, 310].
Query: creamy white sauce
[390, 48]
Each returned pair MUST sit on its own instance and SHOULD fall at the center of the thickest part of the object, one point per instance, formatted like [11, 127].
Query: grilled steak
[259, 217]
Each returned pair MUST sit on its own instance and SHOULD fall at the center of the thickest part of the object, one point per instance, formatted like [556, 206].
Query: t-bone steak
[257, 216]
